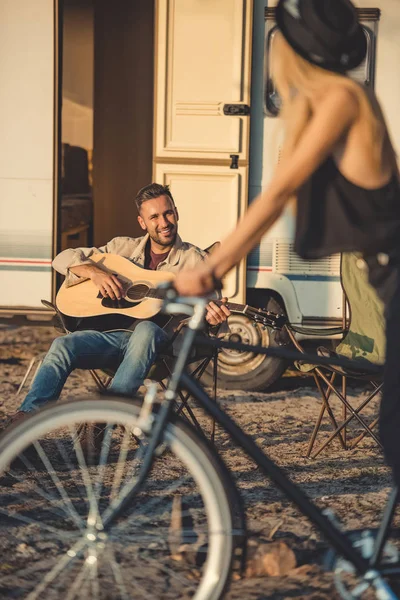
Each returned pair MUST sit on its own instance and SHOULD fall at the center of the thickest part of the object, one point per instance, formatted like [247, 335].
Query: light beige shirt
[182, 255]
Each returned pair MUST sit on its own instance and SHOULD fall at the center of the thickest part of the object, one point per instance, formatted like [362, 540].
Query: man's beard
[158, 240]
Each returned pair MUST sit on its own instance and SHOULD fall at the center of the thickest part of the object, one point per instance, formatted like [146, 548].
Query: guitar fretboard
[154, 293]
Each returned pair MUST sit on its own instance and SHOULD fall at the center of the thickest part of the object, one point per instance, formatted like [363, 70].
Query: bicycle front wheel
[61, 533]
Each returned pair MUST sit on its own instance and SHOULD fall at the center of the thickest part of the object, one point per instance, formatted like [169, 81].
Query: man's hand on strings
[108, 284]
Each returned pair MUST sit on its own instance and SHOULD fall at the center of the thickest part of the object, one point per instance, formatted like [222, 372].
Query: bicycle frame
[322, 519]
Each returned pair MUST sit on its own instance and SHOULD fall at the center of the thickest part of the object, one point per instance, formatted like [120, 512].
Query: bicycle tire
[222, 507]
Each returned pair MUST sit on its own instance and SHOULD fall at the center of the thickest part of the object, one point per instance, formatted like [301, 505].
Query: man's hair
[153, 190]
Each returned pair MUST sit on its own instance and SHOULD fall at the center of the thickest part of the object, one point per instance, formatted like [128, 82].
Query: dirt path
[352, 483]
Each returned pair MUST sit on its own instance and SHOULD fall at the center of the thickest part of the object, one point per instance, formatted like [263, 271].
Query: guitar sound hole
[137, 292]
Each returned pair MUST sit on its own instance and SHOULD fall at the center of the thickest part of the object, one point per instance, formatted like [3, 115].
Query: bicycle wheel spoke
[104, 452]
[24, 519]
[71, 467]
[57, 569]
[33, 471]
[43, 494]
[94, 578]
[77, 583]
[147, 537]
[150, 506]
[170, 572]
[94, 517]
[115, 568]
[119, 470]
[70, 509]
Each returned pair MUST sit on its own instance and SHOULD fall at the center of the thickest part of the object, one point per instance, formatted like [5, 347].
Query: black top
[336, 215]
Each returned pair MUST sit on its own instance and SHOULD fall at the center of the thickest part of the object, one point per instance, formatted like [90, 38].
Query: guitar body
[85, 300]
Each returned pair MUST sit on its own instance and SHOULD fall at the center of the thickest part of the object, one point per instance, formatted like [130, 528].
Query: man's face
[159, 218]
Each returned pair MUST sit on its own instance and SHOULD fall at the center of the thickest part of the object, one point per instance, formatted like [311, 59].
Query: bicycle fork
[156, 423]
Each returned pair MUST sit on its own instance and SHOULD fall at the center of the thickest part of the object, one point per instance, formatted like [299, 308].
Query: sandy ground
[354, 483]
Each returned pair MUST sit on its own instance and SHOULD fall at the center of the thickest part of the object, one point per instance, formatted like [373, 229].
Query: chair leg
[349, 407]
[36, 359]
[325, 406]
[185, 406]
[354, 413]
[215, 376]
[184, 403]
[344, 410]
[198, 372]
[102, 385]
[179, 410]
[185, 397]
[359, 408]
[362, 435]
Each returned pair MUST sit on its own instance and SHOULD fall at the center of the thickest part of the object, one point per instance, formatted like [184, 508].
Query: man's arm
[76, 265]
[107, 283]
[74, 257]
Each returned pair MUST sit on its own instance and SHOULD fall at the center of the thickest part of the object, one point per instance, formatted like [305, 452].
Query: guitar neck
[154, 293]
[233, 306]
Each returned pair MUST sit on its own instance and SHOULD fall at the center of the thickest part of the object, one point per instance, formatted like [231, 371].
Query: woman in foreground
[339, 164]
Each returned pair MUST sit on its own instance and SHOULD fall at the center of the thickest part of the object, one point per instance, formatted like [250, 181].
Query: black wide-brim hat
[324, 32]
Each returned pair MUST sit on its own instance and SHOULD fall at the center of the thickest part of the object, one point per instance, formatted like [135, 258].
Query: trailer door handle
[234, 161]
[236, 110]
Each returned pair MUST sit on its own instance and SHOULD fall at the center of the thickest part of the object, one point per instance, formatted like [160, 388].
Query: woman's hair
[292, 74]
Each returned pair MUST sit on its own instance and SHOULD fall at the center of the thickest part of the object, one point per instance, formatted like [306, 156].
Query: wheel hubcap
[243, 331]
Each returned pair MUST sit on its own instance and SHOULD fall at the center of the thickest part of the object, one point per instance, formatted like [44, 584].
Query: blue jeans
[130, 354]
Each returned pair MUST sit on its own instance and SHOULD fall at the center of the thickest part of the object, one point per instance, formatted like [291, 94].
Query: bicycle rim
[174, 540]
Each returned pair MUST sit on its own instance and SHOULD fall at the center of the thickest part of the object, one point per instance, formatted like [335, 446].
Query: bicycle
[108, 527]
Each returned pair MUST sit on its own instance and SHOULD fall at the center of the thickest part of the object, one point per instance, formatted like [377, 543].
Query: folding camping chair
[363, 342]
[159, 372]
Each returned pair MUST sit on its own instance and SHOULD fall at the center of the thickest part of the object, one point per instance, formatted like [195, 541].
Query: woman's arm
[333, 117]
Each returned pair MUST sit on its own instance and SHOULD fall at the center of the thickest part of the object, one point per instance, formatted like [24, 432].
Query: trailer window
[365, 73]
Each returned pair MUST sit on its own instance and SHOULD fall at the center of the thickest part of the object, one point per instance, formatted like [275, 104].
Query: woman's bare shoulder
[337, 99]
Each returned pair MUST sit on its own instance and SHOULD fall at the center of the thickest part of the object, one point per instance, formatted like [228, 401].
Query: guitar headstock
[266, 318]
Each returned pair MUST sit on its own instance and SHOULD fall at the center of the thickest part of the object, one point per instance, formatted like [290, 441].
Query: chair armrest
[62, 326]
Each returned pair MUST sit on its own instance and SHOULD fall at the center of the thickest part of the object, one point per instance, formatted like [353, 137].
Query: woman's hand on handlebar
[196, 282]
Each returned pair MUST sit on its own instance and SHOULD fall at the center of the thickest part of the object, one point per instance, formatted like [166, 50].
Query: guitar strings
[138, 292]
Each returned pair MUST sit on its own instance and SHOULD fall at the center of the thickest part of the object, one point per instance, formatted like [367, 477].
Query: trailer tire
[250, 372]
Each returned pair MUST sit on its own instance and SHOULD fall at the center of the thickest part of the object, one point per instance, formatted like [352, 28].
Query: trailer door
[202, 97]
[27, 50]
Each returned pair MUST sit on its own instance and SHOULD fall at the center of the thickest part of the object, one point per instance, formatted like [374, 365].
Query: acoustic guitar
[141, 299]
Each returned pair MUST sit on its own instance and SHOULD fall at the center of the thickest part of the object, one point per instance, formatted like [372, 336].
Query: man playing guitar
[130, 353]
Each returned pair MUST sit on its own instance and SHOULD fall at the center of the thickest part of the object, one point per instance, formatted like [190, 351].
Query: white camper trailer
[99, 98]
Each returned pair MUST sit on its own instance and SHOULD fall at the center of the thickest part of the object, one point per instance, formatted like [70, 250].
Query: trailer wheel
[248, 371]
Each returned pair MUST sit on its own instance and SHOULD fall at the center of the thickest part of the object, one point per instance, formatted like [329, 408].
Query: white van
[97, 100]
